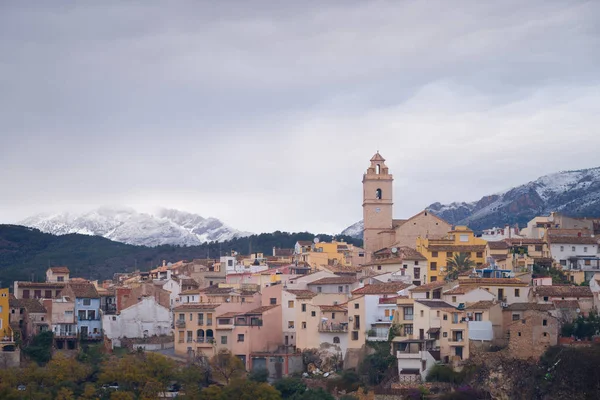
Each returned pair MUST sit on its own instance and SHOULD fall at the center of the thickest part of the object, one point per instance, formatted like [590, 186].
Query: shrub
[259, 375]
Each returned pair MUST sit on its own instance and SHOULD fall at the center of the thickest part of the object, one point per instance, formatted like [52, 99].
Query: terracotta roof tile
[435, 303]
[428, 286]
[53, 285]
[230, 314]
[498, 245]
[460, 290]
[190, 291]
[59, 270]
[493, 282]
[333, 308]
[334, 280]
[83, 290]
[456, 248]
[259, 310]
[31, 305]
[196, 306]
[382, 288]
[566, 304]
[573, 240]
[302, 294]
[563, 291]
[481, 305]
[529, 306]
[305, 242]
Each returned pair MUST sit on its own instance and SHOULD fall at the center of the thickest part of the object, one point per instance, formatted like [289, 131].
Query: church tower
[377, 206]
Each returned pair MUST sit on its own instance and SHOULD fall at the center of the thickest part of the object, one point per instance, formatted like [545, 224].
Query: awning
[433, 330]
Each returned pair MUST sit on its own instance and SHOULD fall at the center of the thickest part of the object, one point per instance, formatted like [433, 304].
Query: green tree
[259, 375]
[315, 394]
[289, 387]
[459, 263]
[40, 348]
[243, 389]
[225, 366]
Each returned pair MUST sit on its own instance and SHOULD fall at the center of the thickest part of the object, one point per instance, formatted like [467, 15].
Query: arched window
[378, 169]
[336, 340]
[200, 335]
[378, 194]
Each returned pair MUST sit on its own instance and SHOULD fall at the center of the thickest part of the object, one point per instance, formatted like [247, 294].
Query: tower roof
[377, 157]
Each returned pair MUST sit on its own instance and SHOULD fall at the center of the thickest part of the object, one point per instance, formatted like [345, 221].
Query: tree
[259, 375]
[65, 394]
[225, 366]
[213, 392]
[288, 387]
[40, 348]
[315, 394]
[243, 389]
[459, 263]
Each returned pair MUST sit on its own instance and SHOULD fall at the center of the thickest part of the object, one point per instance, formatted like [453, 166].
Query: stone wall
[10, 359]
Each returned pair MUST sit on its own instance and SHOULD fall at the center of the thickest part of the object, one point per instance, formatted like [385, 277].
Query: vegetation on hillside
[26, 253]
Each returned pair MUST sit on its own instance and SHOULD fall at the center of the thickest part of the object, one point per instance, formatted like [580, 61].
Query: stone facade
[530, 336]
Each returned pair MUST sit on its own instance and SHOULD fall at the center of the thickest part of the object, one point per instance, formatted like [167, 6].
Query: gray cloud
[265, 114]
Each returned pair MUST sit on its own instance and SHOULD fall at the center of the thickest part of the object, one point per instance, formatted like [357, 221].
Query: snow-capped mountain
[573, 193]
[355, 230]
[127, 225]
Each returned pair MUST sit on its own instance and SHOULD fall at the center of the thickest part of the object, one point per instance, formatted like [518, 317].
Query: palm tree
[459, 263]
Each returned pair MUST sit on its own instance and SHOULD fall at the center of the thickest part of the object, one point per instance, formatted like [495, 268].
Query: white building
[143, 319]
[574, 252]
[497, 234]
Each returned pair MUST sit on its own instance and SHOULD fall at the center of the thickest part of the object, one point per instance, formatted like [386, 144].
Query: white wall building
[143, 319]
[573, 251]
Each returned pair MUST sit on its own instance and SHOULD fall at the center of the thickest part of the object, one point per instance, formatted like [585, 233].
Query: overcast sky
[265, 113]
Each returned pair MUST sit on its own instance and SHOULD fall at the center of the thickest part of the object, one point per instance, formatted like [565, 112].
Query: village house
[87, 309]
[464, 294]
[531, 329]
[505, 290]
[569, 301]
[460, 240]
[63, 322]
[28, 317]
[485, 323]
[37, 290]
[57, 274]
[6, 332]
[403, 261]
[334, 285]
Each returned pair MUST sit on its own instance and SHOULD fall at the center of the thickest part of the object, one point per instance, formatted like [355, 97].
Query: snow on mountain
[355, 230]
[129, 226]
[574, 193]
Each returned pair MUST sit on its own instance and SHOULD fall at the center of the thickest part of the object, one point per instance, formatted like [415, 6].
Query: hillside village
[437, 293]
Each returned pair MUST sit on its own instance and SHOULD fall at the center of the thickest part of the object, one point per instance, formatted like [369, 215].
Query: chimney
[274, 251]
[164, 263]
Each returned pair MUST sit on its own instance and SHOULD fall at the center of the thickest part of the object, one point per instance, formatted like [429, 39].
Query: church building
[380, 229]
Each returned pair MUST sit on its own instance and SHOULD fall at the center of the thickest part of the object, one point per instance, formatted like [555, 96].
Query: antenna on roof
[394, 250]
[316, 240]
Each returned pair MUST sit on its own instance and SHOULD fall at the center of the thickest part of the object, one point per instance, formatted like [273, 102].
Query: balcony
[382, 319]
[377, 335]
[456, 340]
[65, 335]
[250, 323]
[205, 342]
[109, 309]
[180, 323]
[333, 328]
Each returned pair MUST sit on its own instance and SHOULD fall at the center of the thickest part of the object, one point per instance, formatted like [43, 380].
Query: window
[454, 299]
[26, 293]
[478, 316]
[87, 302]
[587, 262]
[422, 313]
[313, 313]
[445, 317]
[518, 333]
[433, 279]
[304, 325]
[572, 248]
[189, 336]
[240, 337]
[319, 289]
[545, 333]
[209, 319]
[545, 322]
[516, 317]
[48, 294]
[434, 254]
[303, 307]
[449, 254]
[223, 339]
[445, 334]
[182, 317]
[417, 273]
[545, 298]
[91, 314]
[290, 324]
[336, 340]
[356, 306]
[416, 263]
[37, 294]
[562, 248]
[563, 262]
[354, 335]
[291, 304]
[464, 238]
[60, 279]
[585, 249]
[377, 169]
[479, 254]
[200, 319]
[433, 266]
[538, 247]
[378, 194]
[517, 292]
[340, 289]
[379, 268]
[408, 329]
[408, 313]
[273, 301]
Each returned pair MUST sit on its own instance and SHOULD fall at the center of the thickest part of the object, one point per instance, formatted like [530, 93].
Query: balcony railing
[250, 323]
[180, 323]
[333, 328]
[208, 340]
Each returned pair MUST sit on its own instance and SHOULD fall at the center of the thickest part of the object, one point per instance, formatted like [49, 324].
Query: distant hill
[126, 225]
[572, 193]
[26, 251]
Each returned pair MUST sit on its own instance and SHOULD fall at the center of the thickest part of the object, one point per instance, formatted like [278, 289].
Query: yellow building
[437, 251]
[6, 335]
[334, 253]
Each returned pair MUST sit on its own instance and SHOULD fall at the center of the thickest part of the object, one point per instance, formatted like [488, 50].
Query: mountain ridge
[126, 225]
[574, 193]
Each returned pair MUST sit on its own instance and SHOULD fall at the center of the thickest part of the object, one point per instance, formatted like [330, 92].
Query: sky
[265, 114]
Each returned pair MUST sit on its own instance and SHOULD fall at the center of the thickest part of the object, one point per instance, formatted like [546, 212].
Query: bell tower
[377, 206]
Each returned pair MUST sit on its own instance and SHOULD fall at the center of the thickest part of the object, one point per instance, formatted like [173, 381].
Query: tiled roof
[335, 308]
[302, 294]
[524, 241]
[428, 286]
[382, 288]
[189, 282]
[566, 304]
[398, 222]
[259, 310]
[305, 242]
[573, 240]
[529, 306]
[493, 281]
[403, 253]
[391, 300]
[59, 270]
[481, 305]
[456, 248]
[334, 280]
[84, 290]
[284, 252]
[230, 314]
[32, 305]
[53, 285]
[499, 245]
[216, 290]
[460, 290]
[195, 306]
[435, 303]
[190, 291]
[563, 291]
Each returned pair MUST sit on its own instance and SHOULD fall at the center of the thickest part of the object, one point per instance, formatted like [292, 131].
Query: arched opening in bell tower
[378, 194]
[378, 169]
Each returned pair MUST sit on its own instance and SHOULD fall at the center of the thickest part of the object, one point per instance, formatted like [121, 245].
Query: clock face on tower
[377, 209]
